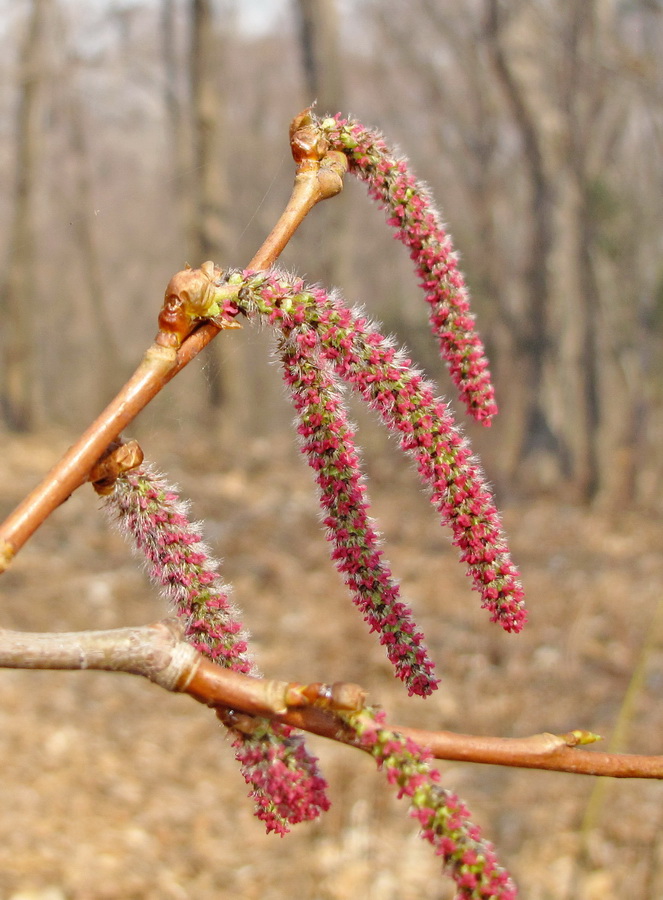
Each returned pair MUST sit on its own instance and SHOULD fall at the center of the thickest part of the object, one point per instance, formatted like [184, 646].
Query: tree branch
[554, 752]
[158, 653]
[319, 176]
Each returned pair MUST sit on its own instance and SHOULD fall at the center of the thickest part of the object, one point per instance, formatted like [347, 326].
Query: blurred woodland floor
[114, 790]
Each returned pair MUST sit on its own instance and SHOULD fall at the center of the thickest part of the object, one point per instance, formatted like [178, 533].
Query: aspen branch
[324, 345]
[558, 753]
[319, 175]
[158, 653]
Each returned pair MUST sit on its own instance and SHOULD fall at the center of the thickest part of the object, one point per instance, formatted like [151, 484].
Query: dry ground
[114, 790]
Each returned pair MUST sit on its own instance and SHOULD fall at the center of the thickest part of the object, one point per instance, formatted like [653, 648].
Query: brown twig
[558, 753]
[319, 176]
[159, 653]
[72, 470]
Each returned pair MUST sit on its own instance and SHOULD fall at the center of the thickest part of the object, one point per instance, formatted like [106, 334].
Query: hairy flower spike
[406, 402]
[411, 212]
[443, 819]
[179, 561]
[328, 442]
[284, 779]
[324, 343]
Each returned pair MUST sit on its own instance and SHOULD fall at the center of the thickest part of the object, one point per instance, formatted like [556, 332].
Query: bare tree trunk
[209, 188]
[178, 118]
[318, 39]
[586, 320]
[604, 396]
[323, 83]
[16, 297]
[107, 351]
[533, 343]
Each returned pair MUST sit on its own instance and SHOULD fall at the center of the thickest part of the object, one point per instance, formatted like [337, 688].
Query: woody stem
[317, 179]
[157, 652]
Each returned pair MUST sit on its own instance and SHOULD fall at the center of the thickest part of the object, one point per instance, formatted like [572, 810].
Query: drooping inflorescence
[325, 346]
[284, 780]
[328, 442]
[283, 777]
[150, 511]
[444, 820]
[344, 342]
[412, 213]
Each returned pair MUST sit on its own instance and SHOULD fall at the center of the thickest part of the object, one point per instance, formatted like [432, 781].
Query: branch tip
[580, 737]
[7, 552]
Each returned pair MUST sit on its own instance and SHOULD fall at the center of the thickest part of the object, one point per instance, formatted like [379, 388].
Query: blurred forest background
[138, 135]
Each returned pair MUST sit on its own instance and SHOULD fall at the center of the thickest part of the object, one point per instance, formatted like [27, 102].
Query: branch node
[338, 696]
[192, 295]
[182, 666]
[333, 167]
[117, 459]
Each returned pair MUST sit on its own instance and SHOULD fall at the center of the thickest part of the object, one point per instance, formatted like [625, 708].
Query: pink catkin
[179, 561]
[328, 442]
[412, 213]
[283, 777]
[443, 818]
[285, 783]
[406, 402]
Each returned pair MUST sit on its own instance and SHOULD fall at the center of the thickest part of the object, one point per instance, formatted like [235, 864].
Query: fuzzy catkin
[443, 818]
[328, 442]
[282, 775]
[350, 346]
[412, 214]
